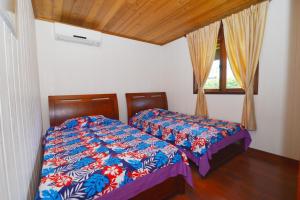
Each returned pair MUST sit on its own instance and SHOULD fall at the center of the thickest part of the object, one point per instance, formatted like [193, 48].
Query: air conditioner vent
[78, 35]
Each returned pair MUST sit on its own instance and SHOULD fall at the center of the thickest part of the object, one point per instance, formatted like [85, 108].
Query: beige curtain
[202, 45]
[244, 33]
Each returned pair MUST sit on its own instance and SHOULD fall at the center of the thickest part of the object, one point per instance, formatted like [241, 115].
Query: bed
[90, 154]
[207, 142]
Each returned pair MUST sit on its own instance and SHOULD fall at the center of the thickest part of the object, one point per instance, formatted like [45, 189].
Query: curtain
[202, 46]
[243, 34]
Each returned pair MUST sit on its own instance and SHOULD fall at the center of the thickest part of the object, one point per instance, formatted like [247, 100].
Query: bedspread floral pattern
[192, 133]
[88, 157]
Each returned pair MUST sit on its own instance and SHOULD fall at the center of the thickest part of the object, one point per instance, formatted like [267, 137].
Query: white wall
[121, 65]
[271, 102]
[20, 112]
[118, 66]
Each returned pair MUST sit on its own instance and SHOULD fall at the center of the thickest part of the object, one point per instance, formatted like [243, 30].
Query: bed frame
[137, 102]
[65, 107]
[141, 101]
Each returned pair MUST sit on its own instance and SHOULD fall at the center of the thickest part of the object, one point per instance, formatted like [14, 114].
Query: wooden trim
[65, 107]
[132, 38]
[227, 91]
[272, 156]
[223, 60]
[141, 101]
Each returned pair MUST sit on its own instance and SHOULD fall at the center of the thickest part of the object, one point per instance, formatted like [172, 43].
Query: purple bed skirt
[203, 161]
[132, 189]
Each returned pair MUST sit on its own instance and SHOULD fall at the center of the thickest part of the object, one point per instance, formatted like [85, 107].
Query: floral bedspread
[192, 133]
[88, 157]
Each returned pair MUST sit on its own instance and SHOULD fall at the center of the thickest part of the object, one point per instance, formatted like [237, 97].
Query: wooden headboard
[65, 107]
[141, 101]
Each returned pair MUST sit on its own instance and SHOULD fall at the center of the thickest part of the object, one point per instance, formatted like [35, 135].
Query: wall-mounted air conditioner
[75, 34]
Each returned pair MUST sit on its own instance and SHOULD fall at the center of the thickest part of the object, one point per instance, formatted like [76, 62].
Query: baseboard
[274, 156]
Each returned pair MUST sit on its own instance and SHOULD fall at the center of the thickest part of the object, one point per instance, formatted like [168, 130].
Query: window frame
[223, 73]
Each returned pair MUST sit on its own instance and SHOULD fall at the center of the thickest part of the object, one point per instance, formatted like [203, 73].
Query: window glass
[231, 82]
[213, 80]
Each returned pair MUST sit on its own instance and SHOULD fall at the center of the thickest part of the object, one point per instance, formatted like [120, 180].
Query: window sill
[228, 91]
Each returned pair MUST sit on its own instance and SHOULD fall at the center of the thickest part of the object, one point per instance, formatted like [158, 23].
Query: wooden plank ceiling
[153, 21]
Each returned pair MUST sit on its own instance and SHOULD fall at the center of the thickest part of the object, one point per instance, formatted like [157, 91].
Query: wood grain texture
[66, 107]
[251, 175]
[137, 102]
[153, 21]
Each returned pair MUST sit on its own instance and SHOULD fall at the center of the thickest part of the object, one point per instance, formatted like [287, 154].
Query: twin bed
[99, 157]
[90, 154]
[199, 138]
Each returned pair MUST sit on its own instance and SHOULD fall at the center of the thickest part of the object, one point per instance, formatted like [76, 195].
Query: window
[221, 79]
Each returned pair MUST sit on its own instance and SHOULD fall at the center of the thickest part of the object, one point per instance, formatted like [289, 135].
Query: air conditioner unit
[75, 34]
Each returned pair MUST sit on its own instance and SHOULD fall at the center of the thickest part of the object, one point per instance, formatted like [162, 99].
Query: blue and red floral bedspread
[88, 157]
[192, 133]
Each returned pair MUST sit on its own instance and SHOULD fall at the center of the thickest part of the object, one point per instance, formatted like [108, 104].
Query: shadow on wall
[292, 116]
[35, 176]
